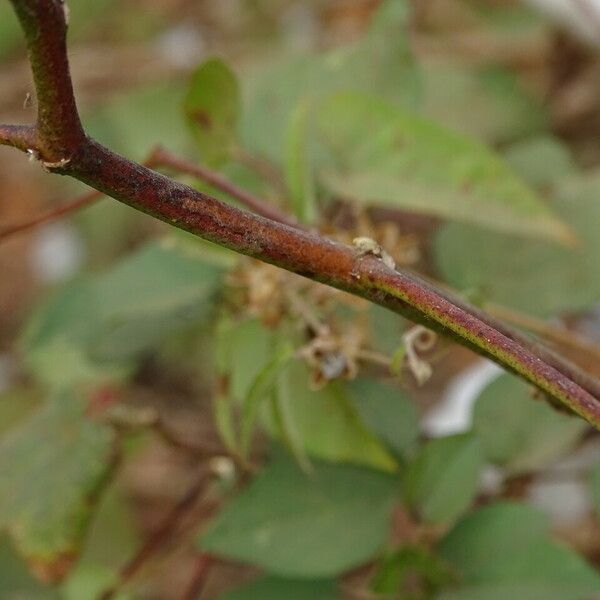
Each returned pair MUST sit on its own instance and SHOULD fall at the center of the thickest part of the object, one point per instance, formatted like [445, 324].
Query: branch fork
[60, 143]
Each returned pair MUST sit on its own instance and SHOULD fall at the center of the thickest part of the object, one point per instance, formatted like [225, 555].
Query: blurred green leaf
[259, 392]
[211, 107]
[406, 565]
[245, 349]
[381, 61]
[16, 582]
[490, 533]
[594, 485]
[327, 422]
[532, 276]
[442, 481]
[519, 432]
[136, 120]
[383, 154]
[299, 526]
[504, 549]
[51, 468]
[543, 161]
[88, 582]
[488, 103]
[275, 588]
[10, 32]
[297, 164]
[387, 412]
[92, 329]
[16, 404]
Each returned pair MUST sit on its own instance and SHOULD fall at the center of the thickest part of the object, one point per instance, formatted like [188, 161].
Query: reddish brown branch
[160, 537]
[51, 215]
[23, 137]
[298, 251]
[198, 582]
[60, 134]
[164, 158]
[159, 157]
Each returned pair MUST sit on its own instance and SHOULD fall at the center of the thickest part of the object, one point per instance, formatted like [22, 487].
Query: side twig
[63, 147]
[158, 539]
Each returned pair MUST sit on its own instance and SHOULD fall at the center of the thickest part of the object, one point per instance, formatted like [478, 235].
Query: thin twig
[22, 137]
[558, 335]
[51, 215]
[159, 157]
[64, 148]
[163, 158]
[262, 167]
[158, 539]
[199, 579]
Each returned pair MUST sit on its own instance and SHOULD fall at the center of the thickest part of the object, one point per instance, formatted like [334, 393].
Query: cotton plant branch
[60, 144]
[158, 158]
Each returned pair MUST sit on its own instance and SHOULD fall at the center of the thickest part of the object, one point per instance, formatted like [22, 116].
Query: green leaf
[542, 161]
[387, 412]
[51, 468]
[250, 346]
[16, 582]
[402, 567]
[490, 533]
[531, 276]
[381, 61]
[134, 121]
[211, 106]
[488, 103]
[259, 392]
[297, 166]
[100, 325]
[305, 526]
[327, 422]
[88, 582]
[442, 480]
[594, 485]
[518, 431]
[275, 588]
[504, 548]
[384, 154]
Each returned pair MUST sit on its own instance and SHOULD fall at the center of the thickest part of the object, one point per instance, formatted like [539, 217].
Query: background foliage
[163, 357]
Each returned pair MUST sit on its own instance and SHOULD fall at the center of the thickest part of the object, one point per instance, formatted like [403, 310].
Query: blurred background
[521, 77]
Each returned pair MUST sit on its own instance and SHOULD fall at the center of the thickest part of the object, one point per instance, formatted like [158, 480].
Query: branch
[159, 157]
[50, 215]
[64, 148]
[22, 137]
[160, 537]
[163, 158]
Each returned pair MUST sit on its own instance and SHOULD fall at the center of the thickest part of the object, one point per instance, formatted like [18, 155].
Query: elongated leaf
[211, 107]
[384, 154]
[504, 548]
[535, 277]
[51, 466]
[594, 483]
[259, 392]
[381, 61]
[305, 526]
[488, 102]
[387, 412]
[298, 168]
[495, 531]
[518, 433]
[442, 481]
[15, 580]
[95, 328]
[327, 423]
